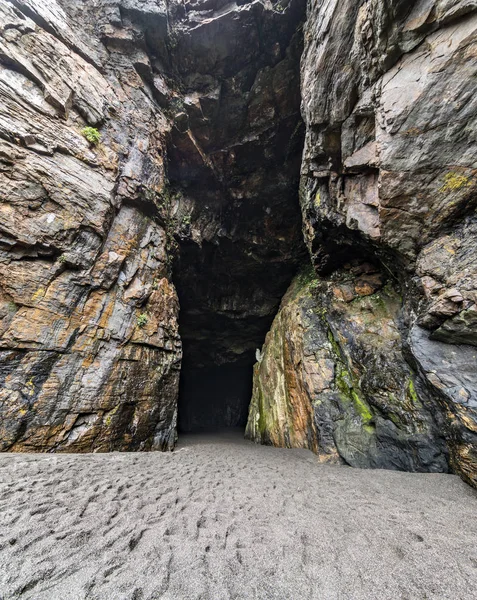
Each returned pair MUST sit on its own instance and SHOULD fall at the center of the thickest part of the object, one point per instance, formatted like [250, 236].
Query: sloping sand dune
[222, 518]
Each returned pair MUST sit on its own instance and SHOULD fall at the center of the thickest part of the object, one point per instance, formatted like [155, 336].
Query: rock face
[90, 351]
[333, 377]
[196, 167]
[388, 177]
[150, 146]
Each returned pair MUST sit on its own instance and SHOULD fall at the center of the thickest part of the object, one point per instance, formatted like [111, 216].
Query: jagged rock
[192, 177]
[383, 126]
[197, 109]
[332, 378]
[86, 364]
[389, 174]
[449, 371]
[90, 350]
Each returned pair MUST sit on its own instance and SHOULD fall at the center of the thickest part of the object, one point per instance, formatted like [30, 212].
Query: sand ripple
[222, 519]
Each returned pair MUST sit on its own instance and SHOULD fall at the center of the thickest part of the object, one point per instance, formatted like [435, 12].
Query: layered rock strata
[90, 351]
[134, 137]
[147, 146]
[388, 176]
[333, 377]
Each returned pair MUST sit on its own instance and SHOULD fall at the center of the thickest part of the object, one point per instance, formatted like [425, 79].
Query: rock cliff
[156, 154]
[90, 351]
[333, 377]
[141, 138]
[384, 360]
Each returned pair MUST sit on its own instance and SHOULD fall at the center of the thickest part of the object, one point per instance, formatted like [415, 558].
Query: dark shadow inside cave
[214, 398]
[233, 168]
[228, 298]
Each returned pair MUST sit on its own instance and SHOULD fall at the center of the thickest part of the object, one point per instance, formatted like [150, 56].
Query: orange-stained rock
[80, 371]
[331, 377]
[89, 345]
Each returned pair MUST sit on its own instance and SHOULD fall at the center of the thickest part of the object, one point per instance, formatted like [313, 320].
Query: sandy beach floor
[221, 518]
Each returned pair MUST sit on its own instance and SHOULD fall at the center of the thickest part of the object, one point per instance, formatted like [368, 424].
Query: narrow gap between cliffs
[234, 225]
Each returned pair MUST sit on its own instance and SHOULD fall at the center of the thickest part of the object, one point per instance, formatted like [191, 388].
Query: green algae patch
[349, 394]
[334, 344]
[411, 390]
[412, 394]
[303, 285]
[306, 277]
[379, 305]
[109, 417]
[142, 320]
[361, 408]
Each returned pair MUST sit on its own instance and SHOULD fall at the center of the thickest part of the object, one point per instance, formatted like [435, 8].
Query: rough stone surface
[332, 378]
[194, 185]
[388, 176]
[89, 344]
[198, 110]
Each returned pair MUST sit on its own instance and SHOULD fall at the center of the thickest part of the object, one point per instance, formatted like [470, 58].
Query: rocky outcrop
[136, 137]
[149, 146]
[389, 152]
[333, 378]
[90, 351]
[388, 177]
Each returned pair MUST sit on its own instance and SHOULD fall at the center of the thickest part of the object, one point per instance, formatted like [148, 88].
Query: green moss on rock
[91, 134]
[349, 394]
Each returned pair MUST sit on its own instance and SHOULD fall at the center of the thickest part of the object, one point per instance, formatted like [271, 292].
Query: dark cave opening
[229, 293]
[228, 299]
[213, 398]
[233, 168]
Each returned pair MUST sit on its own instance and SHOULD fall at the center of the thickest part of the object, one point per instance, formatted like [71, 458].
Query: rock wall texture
[333, 378]
[388, 178]
[150, 146]
[90, 351]
[196, 169]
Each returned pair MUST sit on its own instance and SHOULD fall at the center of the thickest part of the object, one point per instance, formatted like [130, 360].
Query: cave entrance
[230, 208]
[228, 298]
[215, 397]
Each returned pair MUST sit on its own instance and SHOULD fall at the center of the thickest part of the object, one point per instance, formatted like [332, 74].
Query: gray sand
[222, 518]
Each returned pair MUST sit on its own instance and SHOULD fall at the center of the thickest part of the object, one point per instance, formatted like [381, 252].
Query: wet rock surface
[196, 166]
